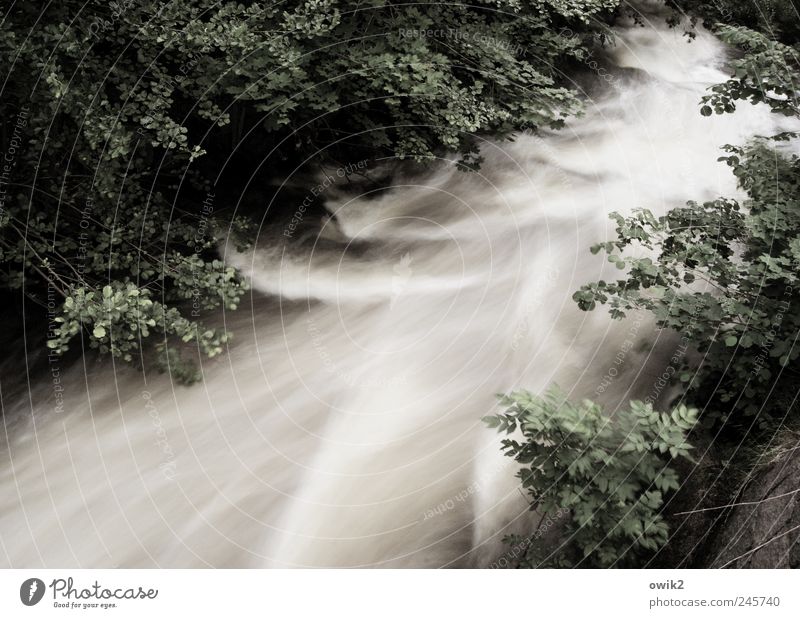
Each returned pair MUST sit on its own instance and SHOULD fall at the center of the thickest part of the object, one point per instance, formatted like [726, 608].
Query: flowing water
[343, 427]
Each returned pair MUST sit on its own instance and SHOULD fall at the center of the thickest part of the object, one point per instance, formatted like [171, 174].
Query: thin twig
[726, 506]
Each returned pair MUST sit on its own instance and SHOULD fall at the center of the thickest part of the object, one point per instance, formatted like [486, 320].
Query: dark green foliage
[767, 73]
[778, 19]
[742, 311]
[118, 119]
[610, 474]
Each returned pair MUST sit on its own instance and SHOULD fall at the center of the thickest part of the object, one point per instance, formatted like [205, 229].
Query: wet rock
[763, 531]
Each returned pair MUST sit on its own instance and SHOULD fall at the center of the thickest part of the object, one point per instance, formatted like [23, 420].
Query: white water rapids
[343, 427]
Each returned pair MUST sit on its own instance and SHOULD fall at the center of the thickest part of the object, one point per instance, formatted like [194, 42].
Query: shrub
[744, 317]
[610, 474]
